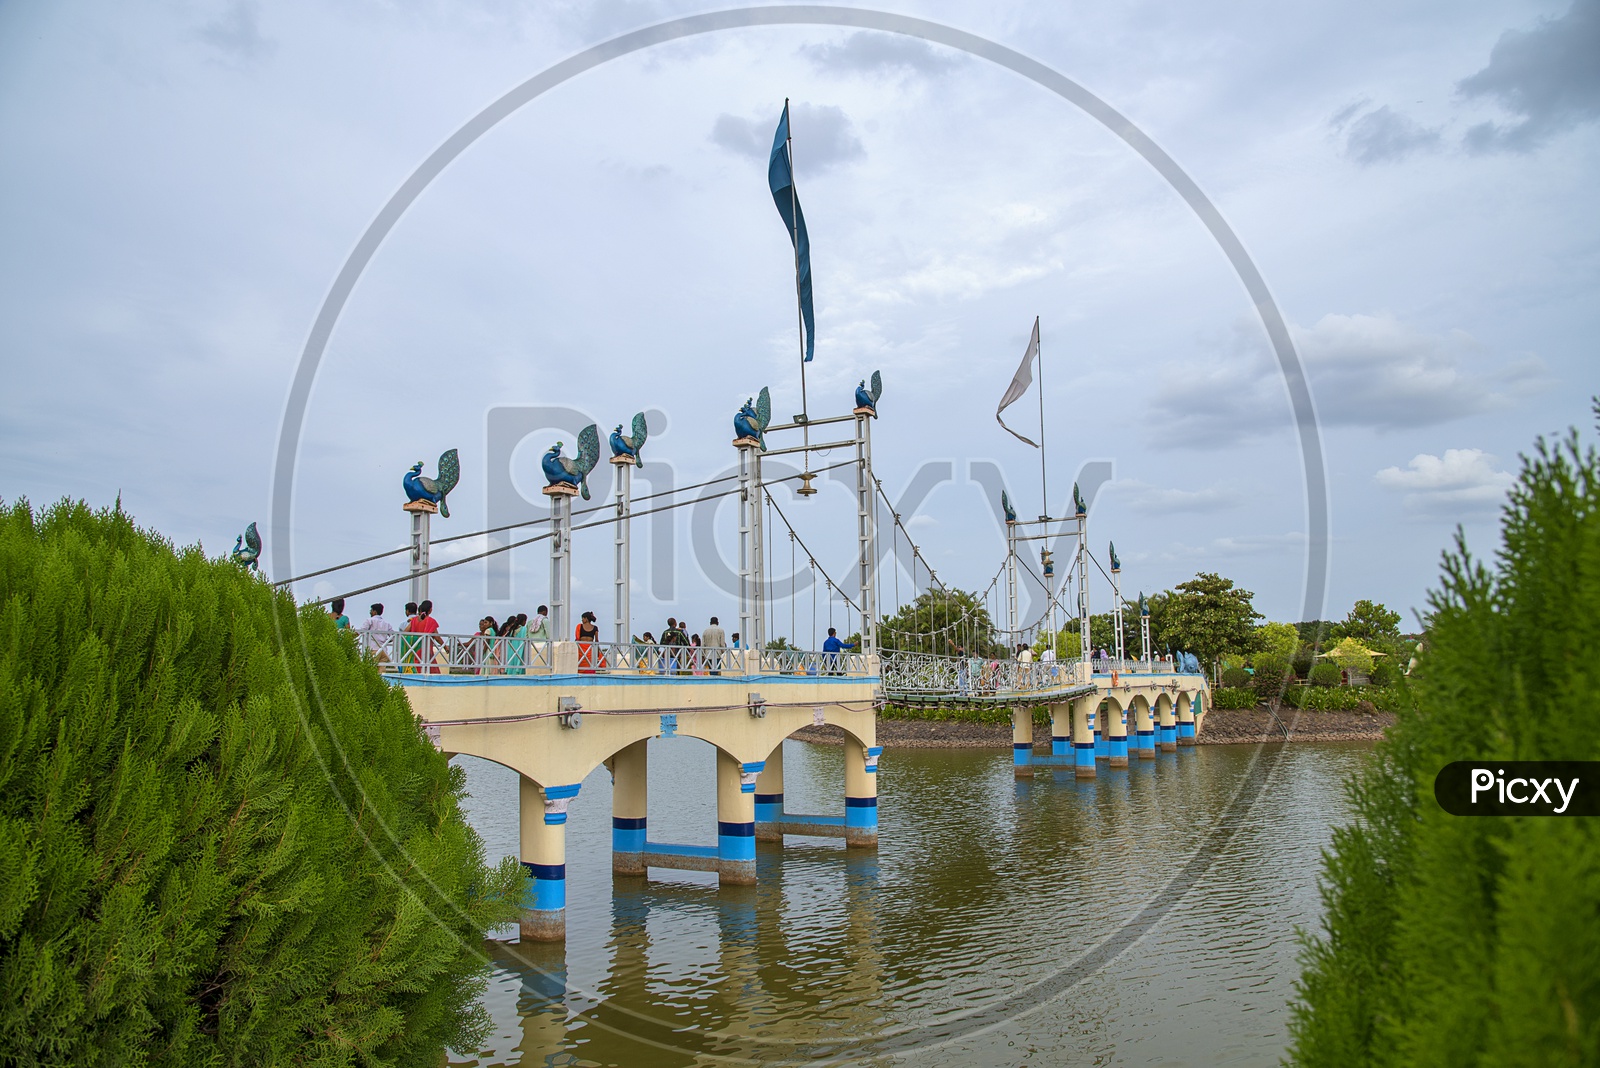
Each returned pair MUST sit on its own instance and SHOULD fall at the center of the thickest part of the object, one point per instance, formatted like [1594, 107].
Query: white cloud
[1156, 500]
[1463, 483]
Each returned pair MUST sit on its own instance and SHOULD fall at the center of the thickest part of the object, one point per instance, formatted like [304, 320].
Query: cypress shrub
[1382, 673]
[1235, 677]
[223, 838]
[1272, 674]
[1476, 940]
[1325, 673]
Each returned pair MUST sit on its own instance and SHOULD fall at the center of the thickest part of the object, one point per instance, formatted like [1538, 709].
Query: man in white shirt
[713, 645]
[539, 627]
[373, 630]
[1024, 654]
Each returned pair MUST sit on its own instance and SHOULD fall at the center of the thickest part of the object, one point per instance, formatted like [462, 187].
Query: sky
[183, 183]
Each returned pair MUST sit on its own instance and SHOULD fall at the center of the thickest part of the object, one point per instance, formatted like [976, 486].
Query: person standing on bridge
[1024, 653]
[424, 624]
[540, 631]
[714, 641]
[587, 634]
[374, 634]
[832, 647]
[409, 646]
[676, 643]
[336, 609]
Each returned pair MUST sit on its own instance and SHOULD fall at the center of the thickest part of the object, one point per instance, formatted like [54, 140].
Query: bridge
[554, 711]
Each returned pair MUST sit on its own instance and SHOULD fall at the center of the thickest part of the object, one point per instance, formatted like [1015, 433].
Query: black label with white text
[1519, 788]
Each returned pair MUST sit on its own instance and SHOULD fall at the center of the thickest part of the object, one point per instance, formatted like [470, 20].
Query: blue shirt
[833, 645]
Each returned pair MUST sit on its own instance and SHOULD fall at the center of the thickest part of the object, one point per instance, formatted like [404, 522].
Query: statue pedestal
[560, 489]
[623, 460]
[423, 507]
[746, 443]
[865, 411]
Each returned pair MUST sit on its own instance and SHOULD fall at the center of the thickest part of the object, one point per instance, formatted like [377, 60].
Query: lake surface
[1147, 917]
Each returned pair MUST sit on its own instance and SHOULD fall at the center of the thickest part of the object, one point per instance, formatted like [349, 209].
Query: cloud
[1383, 135]
[1253, 545]
[1548, 75]
[1464, 483]
[866, 52]
[829, 137]
[1368, 371]
[1155, 500]
[237, 32]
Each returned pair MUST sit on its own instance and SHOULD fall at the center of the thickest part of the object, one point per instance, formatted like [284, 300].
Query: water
[960, 941]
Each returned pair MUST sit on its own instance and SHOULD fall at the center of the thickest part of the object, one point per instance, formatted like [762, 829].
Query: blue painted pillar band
[769, 808]
[736, 841]
[1021, 753]
[548, 890]
[861, 812]
[1117, 747]
[1083, 754]
[1147, 741]
[627, 834]
[1060, 746]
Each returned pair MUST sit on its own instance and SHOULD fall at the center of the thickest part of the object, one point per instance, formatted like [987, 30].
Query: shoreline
[1222, 727]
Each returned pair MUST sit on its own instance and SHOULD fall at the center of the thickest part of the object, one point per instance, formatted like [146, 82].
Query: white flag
[1020, 383]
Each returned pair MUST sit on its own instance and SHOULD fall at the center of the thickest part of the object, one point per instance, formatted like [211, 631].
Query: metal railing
[1106, 665]
[926, 674]
[456, 654]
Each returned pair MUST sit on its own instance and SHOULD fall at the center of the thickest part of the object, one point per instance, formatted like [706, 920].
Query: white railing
[456, 654]
[925, 674]
[486, 654]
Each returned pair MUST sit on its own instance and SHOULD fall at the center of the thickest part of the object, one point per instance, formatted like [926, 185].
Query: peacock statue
[630, 446]
[753, 420]
[1005, 506]
[1116, 565]
[1144, 605]
[575, 472]
[247, 547]
[420, 487]
[868, 398]
[1077, 500]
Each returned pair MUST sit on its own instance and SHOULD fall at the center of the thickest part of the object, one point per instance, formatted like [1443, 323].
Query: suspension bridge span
[555, 710]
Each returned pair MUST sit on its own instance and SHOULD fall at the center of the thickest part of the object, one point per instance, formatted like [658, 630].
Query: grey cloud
[236, 32]
[1548, 75]
[867, 52]
[1366, 370]
[825, 135]
[1383, 135]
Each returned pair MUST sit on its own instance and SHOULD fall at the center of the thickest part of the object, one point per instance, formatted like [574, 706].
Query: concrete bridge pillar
[1185, 720]
[1061, 730]
[860, 793]
[1167, 727]
[1083, 743]
[736, 821]
[1144, 728]
[1116, 730]
[630, 807]
[1102, 746]
[543, 812]
[769, 798]
[1022, 742]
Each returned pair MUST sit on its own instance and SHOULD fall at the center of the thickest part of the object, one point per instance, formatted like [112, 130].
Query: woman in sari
[588, 635]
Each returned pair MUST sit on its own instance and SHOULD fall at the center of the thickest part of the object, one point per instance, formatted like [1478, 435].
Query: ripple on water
[983, 893]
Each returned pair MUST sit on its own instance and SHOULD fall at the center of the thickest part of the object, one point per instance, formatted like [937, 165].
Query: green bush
[1322, 699]
[1450, 940]
[205, 858]
[1325, 673]
[1271, 673]
[1302, 663]
[975, 714]
[1235, 677]
[1383, 673]
[1233, 697]
[1388, 698]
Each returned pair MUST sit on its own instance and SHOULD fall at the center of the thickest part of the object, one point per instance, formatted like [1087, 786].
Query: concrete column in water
[1185, 720]
[544, 859]
[1061, 731]
[860, 793]
[1022, 742]
[1116, 731]
[630, 807]
[1083, 743]
[1167, 726]
[1145, 729]
[1102, 748]
[736, 820]
[769, 798]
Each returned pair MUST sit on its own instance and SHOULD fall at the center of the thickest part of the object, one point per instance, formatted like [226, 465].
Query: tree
[1278, 639]
[1209, 616]
[1452, 940]
[191, 870]
[1371, 624]
[941, 621]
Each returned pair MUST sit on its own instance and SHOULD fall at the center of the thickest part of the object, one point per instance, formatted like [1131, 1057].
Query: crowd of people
[502, 647]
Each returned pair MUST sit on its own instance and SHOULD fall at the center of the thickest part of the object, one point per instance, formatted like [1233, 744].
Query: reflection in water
[960, 941]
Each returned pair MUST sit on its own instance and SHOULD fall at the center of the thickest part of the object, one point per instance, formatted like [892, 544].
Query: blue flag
[780, 179]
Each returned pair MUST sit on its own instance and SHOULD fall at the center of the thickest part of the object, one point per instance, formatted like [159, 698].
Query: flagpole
[1044, 486]
[799, 297]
